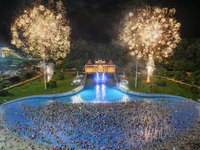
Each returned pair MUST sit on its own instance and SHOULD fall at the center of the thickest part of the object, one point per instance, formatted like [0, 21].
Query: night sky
[100, 23]
[76, 4]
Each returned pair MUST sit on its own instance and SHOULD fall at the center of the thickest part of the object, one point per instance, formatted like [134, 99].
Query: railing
[120, 87]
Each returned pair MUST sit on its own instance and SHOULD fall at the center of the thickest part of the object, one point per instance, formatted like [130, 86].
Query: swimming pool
[25, 118]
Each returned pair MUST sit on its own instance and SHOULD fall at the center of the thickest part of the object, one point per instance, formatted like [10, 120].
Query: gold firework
[152, 31]
[42, 32]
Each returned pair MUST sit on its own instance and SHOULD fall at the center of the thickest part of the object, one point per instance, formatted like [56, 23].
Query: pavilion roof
[89, 62]
[110, 62]
[123, 78]
[77, 78]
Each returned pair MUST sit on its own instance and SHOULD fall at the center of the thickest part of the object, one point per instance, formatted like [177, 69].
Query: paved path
[12, 86]
[180, 82]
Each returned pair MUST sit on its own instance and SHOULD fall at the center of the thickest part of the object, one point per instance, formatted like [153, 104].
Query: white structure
[123, 80]
[78, 80]
[11, 73]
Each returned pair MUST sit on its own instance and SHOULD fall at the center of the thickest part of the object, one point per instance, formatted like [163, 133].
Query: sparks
[42, 32]
[152, 31]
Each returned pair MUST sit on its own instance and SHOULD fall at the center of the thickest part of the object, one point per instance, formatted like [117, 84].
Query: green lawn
[36, 87]
[16, 61]
[172, 88]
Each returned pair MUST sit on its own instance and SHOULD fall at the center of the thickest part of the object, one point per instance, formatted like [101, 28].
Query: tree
[22, 74]
[2, 68]
[178, 75]
[51, 84]
[2, 84]
[160, 82]
[160, 72]
[14, 79]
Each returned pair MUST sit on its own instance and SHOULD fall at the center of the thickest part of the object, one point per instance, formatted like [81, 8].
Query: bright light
[150, 67]
[152, 30]
[149, 70]
[42, 32]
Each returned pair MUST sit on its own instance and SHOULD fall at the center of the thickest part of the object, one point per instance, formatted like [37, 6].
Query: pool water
[182, 112]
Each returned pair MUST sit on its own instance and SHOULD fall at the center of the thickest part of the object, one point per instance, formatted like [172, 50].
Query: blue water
[105, 92]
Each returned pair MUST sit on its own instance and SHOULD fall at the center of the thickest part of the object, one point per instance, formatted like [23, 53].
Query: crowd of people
[123, 125]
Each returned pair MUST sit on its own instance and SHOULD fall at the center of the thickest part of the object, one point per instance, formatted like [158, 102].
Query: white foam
[77, 99]
[125, 98]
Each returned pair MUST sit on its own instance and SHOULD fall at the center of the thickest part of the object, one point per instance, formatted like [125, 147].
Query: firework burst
[153, 31]
[42, 32]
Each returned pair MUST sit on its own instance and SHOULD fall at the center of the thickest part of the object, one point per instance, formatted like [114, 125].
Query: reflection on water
[103, 87]
[100, 92]
[97, 92]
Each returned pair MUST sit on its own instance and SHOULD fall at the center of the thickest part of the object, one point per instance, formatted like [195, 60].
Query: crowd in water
[97, 126]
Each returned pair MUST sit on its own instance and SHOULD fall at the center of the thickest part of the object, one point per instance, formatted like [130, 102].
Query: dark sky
[75, 4]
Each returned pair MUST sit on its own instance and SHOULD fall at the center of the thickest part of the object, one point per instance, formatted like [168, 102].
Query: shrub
[160, 82]
[30, 74]
[2, 84]
[160, 72]
[3, 93]
[194, 90]
[153, 89]
[179, 75]
[170, 73]
[51, 84]
[14, 79]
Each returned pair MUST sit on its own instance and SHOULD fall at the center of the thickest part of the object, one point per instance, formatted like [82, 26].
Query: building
[78, 80]
[59, 62]
[123, 79]
[11, 73]
[100, 67]
[29, 68]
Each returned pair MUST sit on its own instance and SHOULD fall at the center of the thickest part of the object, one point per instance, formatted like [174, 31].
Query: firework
[150, 67]
[50, 71]
[152, 31]
[42, 32]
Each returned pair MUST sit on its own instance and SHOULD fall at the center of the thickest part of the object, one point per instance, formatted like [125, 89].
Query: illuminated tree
[152, 33]
[42, 32]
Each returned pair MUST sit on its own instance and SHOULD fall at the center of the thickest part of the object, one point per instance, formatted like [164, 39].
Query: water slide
[19, 55]
[7, 50]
